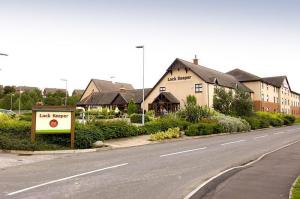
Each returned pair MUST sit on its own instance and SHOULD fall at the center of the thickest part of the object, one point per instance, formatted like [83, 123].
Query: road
[167, 170]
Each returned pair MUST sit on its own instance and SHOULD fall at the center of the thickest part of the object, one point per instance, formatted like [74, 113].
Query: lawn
[297, 120]
[296, 190]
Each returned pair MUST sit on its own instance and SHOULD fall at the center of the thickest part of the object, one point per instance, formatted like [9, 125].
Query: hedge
[266, 119]
[137, 118]
[204, 129]
[163, 124]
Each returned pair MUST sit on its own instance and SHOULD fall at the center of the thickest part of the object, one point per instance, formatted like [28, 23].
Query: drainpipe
[208, 94]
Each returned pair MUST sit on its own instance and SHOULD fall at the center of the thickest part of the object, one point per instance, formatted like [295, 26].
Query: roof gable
[277, 81]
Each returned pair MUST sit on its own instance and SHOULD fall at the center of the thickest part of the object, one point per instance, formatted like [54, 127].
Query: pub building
[183, 78]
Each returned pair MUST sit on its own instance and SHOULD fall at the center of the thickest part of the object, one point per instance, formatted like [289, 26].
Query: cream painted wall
[269, 93]
[285, 99]
[90, 89]
[255, 87]
[180, 88]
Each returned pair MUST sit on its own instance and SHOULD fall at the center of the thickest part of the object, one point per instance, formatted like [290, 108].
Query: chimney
[122, 90]
[195, 60]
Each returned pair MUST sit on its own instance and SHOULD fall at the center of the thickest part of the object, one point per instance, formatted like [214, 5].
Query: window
[267, 87]
[262, 97]
[262, 85]
[274, 99]
[267, 98]
[198, 88]
[162, 89]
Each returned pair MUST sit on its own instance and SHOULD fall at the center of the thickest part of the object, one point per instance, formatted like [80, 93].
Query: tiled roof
[135, 95]
[106, 98]
[53, 90]
[99, 98]
[109, 86]
[169, 96]
[243, 76]
[275, 81]
[212, 76]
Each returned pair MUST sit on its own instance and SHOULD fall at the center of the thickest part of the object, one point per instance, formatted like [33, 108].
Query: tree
[9, 89]
[72, 100]
[132, 108]
[28, 99]
[55, 99]
[242, 104]
[192, 112]
[222, 101]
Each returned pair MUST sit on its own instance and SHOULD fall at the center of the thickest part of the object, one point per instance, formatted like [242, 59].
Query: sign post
[53, 120]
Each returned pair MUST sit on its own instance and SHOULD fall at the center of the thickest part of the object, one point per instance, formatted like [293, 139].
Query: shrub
[16, 128]
[242, 104]
[137, 118]
[288, 119]
[26, 117]
[203, 129]
[193, 112]
[163, 124]
[132, 108]
[274, 119]
[4, 117]
[232, 124]
[86, 135]
[116, 129]
[253, 121]
[13, 143]
[222, 101]
[169, 134]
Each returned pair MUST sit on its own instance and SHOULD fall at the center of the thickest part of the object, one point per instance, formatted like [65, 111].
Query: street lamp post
[66, 100]
[11, 100]
[20, 102]
[143, 106]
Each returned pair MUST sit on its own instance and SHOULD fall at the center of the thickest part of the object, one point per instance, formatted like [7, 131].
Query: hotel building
[183, 78]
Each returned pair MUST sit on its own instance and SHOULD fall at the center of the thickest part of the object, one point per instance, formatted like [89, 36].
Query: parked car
[7, 112]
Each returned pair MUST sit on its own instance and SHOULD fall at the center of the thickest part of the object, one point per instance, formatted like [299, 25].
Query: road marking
[263, 136]
[280, 132]
[180, 152]
[66, 178]
[290, 130]
[233, 142]
[190, 195]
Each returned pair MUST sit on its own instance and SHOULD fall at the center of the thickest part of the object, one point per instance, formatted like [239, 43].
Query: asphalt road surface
[167, 170]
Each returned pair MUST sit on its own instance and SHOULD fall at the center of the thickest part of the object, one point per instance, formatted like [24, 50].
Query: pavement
[167, 170]
[270, 178]
[11, 160]
[128, 142]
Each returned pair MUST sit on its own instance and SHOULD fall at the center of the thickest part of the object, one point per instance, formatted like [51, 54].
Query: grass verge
[296, 189]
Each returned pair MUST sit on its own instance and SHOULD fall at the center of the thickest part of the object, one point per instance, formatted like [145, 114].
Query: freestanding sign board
[53, 120]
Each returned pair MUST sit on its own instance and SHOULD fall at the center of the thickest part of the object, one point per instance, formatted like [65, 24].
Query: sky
[78, 40]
